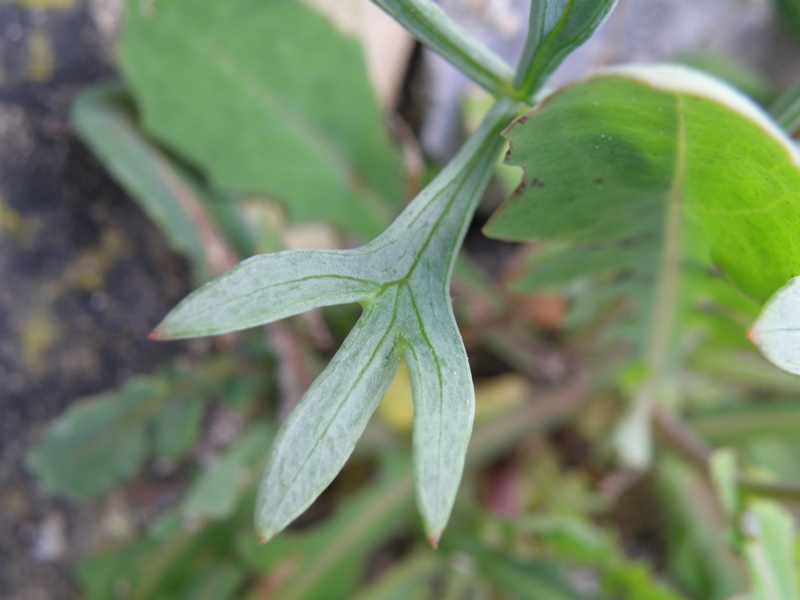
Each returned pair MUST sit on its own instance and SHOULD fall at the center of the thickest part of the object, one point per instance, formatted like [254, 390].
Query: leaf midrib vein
[324, 146]
[667, 283]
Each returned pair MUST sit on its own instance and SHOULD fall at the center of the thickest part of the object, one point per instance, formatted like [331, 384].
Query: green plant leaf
[776, 332]
[540, 579]
[770, 552]
[177, 423]
[226, 84]
[321, 432]
[98, 442]
[329, 557]
[635, 153]
[673, 166]
[103, 440]
[556, 28]
[410, 579]
[402, 281]
[434, 28]
[105, 118]
[573, 540]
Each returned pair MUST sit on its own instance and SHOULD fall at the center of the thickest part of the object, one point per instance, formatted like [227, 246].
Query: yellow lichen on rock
[88, 271]
[37, 334]
[41, 60]
[11, 222]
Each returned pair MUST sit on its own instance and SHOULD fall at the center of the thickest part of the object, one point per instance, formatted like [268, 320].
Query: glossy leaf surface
[226, 84]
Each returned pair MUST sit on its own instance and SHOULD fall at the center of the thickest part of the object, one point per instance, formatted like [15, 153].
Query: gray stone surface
[83, 278]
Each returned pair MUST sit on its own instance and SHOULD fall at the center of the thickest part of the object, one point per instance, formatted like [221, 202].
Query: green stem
[749, 421]
[687, 444]
[434, 28]
[776, 491]
[530, 76]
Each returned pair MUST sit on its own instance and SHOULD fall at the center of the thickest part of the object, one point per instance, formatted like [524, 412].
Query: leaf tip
[752, 335]
[265, 536]
[433, 539]
[161, 334]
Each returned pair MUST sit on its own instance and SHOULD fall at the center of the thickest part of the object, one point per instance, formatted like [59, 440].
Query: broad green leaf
[673, 166]
[402, 281]
[176, 425]
[431, 26]
[776, 332]
[99, 441]
[226, 84]
[556, 28]
[103, 440]
[635, 153]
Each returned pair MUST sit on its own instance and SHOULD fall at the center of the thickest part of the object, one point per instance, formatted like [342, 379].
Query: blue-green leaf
[402, 280]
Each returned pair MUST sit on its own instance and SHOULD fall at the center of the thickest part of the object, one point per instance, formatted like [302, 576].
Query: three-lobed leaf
[402, 280]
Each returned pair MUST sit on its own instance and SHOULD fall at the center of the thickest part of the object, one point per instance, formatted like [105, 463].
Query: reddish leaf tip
[433, 540]
[154, 336]
[263, 538]
[751, 335]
